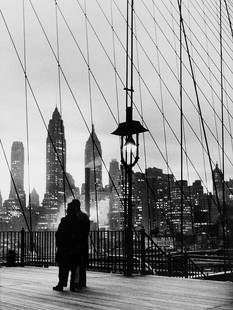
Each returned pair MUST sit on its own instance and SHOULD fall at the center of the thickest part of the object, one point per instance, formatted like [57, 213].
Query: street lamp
[129, 134]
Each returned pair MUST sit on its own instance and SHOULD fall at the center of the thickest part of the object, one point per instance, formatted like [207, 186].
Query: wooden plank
[31, 288]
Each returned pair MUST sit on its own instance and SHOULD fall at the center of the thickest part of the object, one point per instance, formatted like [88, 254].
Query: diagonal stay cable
[200, 71]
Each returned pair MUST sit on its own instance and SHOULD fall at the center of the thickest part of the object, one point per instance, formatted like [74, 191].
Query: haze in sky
[79, 42]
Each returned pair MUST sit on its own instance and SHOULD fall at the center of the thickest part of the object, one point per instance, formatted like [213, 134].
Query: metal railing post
[22, 247]
[185, 255]
[169, 260]
[143, 251]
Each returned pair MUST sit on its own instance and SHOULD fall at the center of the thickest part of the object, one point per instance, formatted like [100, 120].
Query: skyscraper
[116, 216]
[13, 206]
[17, 169]
[93, 162]
[55, 156]
[53, 202]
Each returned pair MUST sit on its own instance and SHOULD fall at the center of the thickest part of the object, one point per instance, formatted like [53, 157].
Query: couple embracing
[72, 247]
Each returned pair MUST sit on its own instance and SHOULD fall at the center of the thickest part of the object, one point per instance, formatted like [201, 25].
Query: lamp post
[129, 134]
[129, 147]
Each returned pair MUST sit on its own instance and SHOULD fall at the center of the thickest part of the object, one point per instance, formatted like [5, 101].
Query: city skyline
[43, 77]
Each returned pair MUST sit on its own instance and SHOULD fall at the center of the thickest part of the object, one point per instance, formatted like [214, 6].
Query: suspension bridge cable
[229, 121]
[181, 135]
[211, 18]
[183, 89]
[143, 134]
[155, 102]
[213, 29]
[229, 17]
[223, 140]
[213, 61]
[200, 110]
[150, 94]
[84, 58]
[115, 64]
[149, 91]
[173, 31]
[60, 101]
[213, 10]
[33, 94]
[27, 113]
[230, 24]
[67, 82]
[199, 56]
[210, 76]
[164, 83]
[200, 71]
[173, 132]
[162, 107]
[91, 113]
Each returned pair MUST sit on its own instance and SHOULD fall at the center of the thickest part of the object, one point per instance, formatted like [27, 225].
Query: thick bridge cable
[27, 113]
[60, 101]
[91, 114]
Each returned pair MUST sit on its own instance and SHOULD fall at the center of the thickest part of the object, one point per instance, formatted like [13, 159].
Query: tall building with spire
[55, 155]
[53, 200]
[93, 162]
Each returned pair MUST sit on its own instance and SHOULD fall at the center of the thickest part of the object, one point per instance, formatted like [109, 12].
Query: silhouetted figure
[72, 247]
[11, 258]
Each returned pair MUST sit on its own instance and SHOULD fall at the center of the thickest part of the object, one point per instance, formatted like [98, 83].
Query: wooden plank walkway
[30, 288]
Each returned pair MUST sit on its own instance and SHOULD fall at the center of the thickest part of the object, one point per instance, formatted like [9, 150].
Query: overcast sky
[155, 55]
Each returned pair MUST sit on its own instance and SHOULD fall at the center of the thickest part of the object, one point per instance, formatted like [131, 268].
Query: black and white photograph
[116, 154]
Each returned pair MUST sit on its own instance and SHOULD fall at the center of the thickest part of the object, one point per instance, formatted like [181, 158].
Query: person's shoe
[58, 288]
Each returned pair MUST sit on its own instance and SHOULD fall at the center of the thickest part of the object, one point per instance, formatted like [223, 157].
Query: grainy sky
[156, 92]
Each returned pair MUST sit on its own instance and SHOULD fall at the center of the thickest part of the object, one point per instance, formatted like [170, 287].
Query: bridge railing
[162, 262]
[106, 253]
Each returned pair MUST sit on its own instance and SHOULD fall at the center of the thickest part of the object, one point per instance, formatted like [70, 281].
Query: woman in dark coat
[72, 244]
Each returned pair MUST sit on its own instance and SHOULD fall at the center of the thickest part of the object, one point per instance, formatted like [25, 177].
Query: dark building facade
[93, 162]
[116, 209]
[55, 160]
[17, 170]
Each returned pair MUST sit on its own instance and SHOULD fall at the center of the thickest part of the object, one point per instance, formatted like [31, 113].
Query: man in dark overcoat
[72, 245]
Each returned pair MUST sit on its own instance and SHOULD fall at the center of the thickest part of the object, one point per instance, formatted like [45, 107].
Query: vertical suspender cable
[210, 79]
[229, 17]
[200, 111]
[60, 104]
[115, 63]
[143, 134]
[211, 88]
[181, 134]
[164, 125]
[26, 106]
[94, 145]
[223, 142]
